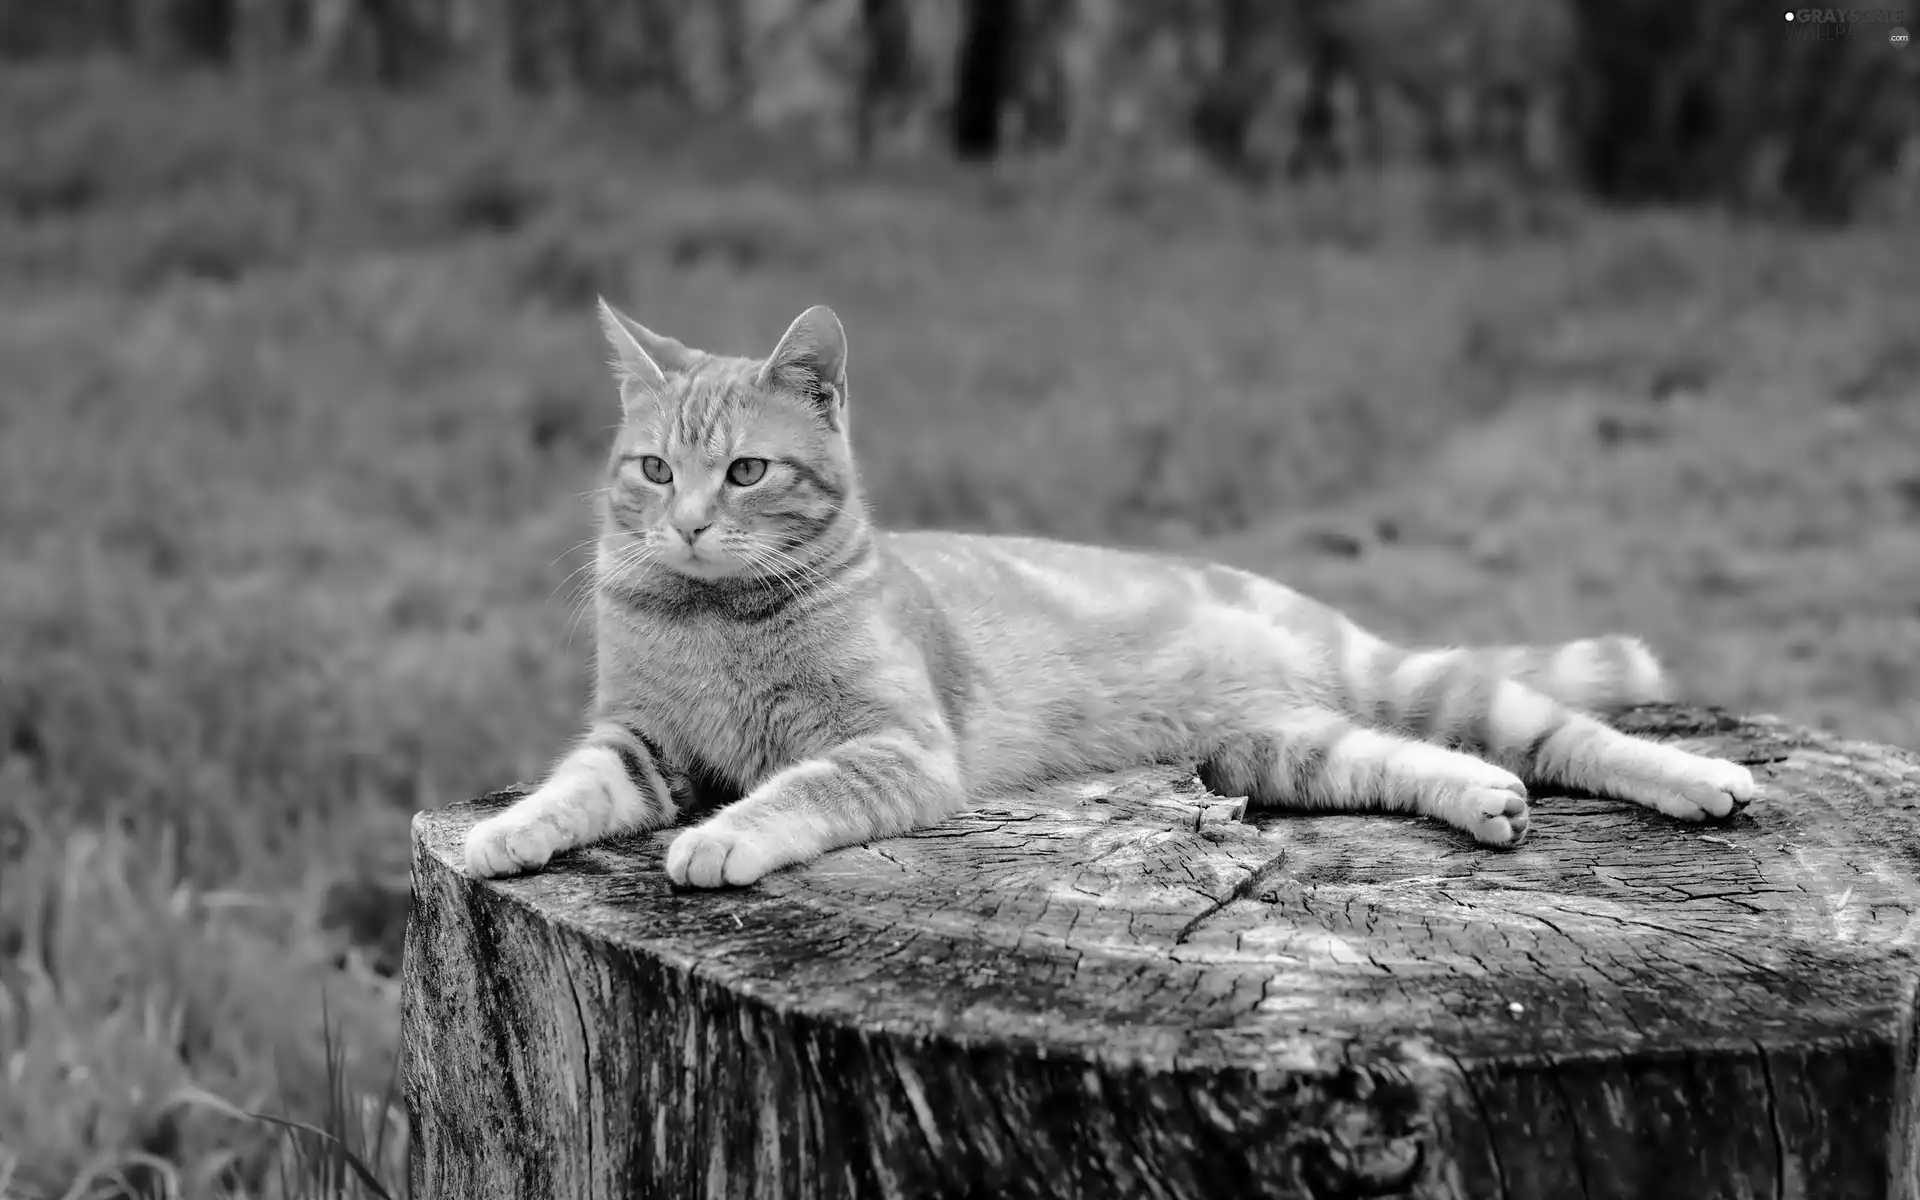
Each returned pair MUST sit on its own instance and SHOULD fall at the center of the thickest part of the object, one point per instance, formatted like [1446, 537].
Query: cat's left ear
[812, 360]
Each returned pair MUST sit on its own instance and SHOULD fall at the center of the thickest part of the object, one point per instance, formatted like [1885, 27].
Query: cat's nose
[691, 533]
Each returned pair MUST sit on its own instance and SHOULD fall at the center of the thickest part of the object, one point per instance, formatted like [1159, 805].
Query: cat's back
[1010, 585]
[994, 571]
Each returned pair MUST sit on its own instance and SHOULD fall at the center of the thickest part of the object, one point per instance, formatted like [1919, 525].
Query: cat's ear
[812, 360]
[641, 357]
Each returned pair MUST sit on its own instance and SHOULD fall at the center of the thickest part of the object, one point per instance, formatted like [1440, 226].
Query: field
[301, 399]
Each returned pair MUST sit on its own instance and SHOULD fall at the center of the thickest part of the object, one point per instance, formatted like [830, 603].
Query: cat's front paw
[507, 844]
[712, 855]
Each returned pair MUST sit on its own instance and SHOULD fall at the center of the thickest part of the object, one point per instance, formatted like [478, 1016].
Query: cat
[758, 638]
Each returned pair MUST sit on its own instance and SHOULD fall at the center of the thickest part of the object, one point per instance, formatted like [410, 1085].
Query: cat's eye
[656, 469]
[745, 472]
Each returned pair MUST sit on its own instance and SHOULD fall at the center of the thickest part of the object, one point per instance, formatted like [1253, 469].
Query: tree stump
[1125, 987]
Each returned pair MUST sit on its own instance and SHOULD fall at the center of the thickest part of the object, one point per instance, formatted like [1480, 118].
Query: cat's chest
[737, 707]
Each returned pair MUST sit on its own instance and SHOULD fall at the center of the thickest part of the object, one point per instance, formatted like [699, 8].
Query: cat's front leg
[866, 788]
[611, 783]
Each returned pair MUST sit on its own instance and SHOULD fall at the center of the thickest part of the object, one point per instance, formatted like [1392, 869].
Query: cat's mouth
[710, 565]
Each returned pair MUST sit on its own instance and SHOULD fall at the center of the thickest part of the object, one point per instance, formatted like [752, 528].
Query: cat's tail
[1454, 693]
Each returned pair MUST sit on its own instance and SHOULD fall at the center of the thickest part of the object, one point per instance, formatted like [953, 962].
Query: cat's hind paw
[1707, 789]
[713, 855]
[1495, 816]
[507, 845]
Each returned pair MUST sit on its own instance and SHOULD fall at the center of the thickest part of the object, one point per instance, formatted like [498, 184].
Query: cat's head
[729, 467]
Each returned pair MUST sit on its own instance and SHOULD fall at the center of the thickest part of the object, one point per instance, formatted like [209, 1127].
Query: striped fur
[831, 683]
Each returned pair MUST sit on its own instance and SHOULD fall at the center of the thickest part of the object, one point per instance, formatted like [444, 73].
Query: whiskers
[775, 566]
[783, 568]
[631, 558]
[840, 510]
[577, 571]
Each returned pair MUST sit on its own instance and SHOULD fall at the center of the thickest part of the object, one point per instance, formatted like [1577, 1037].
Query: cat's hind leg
[1314, 758]
[1546, 742]
[1463, 698]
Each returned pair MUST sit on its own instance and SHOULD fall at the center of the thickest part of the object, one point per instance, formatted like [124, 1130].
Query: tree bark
[1124, 987]
[983, 76]
[1223, 115]
[883, 90]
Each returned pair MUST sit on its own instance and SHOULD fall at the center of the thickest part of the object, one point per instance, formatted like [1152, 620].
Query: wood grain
[1121, 987]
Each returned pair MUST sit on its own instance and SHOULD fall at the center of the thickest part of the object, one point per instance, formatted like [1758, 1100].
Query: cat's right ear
[642, 359]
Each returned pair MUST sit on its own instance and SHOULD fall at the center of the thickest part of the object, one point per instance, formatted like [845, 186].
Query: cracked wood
[1129, 987]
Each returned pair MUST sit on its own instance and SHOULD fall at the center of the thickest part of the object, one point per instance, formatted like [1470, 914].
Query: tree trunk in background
[269, 34]
[535, 38]
[1329, 59]
[730, 22]
[659, 66]
[36, 28]
[1649, 124]
[983, 76]
[392, 43]
[594, 46]
[1233, 93]
[185, 31]
[1041, 104]
[885, 85]
[399, 41]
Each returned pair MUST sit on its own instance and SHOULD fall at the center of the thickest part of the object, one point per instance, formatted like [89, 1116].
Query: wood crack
[586, 1054]
[1258, 876]
[1773, 1123]
[1486, 1123]
[1578, 1149]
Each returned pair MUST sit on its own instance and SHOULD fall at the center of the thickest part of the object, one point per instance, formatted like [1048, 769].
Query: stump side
[1114, 989]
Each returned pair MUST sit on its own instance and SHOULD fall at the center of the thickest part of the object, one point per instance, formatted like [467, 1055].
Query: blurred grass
[301, 396]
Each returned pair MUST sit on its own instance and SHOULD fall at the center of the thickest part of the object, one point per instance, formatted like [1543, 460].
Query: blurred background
[1485, 319]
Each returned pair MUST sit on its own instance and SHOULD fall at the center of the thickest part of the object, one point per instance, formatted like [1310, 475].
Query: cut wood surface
[1124, 987]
